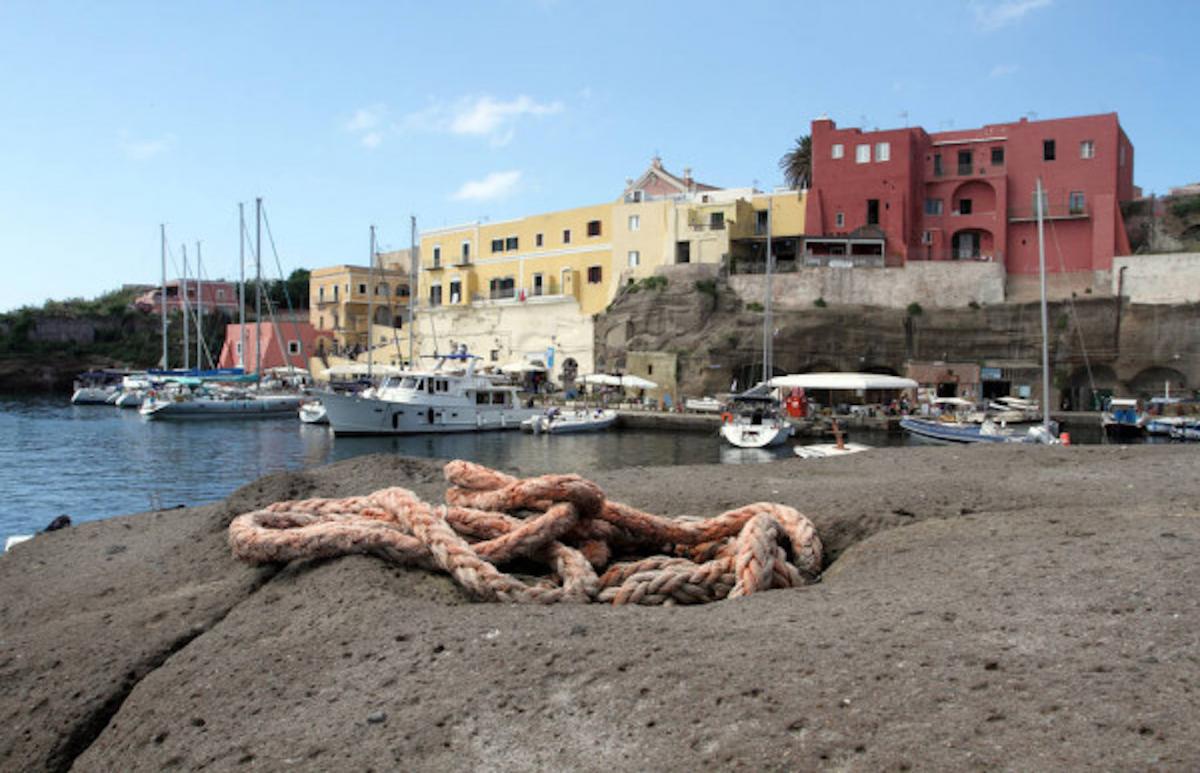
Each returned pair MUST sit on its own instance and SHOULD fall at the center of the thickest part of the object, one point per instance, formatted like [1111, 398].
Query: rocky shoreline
[982, 607]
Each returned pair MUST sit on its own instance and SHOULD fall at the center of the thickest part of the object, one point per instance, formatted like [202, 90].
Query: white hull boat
[433, 401]
[570, 421]
[261, 406]
[313, 412]
[92, 395]
[745, 433]
[132, 399]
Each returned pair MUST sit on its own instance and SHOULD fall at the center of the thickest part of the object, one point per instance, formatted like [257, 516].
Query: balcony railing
[708, 226]
[1051, 212]
[843, 261]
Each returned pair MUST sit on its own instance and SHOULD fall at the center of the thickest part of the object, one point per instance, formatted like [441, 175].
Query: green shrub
[754, 306]
[914, 309]
[974, 305]
[707, 286]
[1185, 205]
[820, 303]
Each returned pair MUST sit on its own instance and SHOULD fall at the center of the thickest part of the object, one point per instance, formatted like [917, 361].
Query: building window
[635, 222]
[594, 275]
[510, 243]
[497, 245]
[1076, 202]
[321, 293]
[437, 255]
[997, 156]
[716, 221]
[537, 240]
[362, 288]
[839, 150]
[539, 284]
[872, 211]
[964, 206]
[683, 252]
[435, 295]
[495, 355]
[220, 294]
[381, 289]
[965, 161]
[937, 164]
[593, 228]
[293, 347]
[862, 154]
[933, 207]
[335, 292]
[466, 251]
[455, 290]
[761, 218]
[635, 258]
[401, 290]
[1040, 203]
[566, 236]
[927, 237]
[839, 220]
[1087, 149]
[320, 326]
[883, 151]
[1047, 150]
[237, 346]
[504, 287]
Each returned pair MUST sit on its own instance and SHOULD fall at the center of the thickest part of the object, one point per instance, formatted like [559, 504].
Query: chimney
[656, 162]
[687, 175]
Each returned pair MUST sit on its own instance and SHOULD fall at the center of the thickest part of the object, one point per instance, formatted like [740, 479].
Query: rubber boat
[557, 422]
[986, 431]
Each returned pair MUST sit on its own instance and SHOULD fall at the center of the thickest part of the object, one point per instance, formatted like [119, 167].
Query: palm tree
[797, 163]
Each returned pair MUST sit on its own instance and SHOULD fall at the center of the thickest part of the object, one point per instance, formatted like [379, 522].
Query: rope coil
[570, 527]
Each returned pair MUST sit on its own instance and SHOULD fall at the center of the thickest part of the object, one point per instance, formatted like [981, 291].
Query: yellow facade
[342, 298]
[567, 253]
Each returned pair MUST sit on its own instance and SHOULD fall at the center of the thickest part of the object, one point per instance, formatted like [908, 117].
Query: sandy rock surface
[1005, 608]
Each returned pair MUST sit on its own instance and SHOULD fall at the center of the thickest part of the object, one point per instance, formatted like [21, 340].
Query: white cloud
[994, 15]
[1002, 70]
[496, 185]
[485, 116]
[368, 124]
[144, 150]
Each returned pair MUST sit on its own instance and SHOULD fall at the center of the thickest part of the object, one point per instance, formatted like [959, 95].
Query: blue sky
[117, 116]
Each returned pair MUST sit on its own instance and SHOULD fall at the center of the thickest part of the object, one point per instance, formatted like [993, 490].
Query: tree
[797, 163]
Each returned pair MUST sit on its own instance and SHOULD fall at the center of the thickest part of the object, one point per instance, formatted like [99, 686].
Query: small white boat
[556, 422]
[221, 406]
[97, 387]
[15, 539]
[827, 450]
[313, 412]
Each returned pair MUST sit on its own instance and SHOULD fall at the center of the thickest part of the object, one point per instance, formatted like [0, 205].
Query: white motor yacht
[439, 400]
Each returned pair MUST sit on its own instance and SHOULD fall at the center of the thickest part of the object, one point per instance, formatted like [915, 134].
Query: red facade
[217, 294]
[284, 343]
[905, 194]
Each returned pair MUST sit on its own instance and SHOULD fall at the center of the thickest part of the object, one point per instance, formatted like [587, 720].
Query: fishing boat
[451, 397]
[560, 422]
[986, 431]
[1123, 418]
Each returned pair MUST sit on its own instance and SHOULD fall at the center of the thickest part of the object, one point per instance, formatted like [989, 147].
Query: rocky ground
[996, 608]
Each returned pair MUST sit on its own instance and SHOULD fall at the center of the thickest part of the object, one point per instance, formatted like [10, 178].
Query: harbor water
[97, 461]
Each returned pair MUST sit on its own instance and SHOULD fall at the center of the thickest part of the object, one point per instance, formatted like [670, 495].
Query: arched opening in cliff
[1155, 381]
[1089, 393]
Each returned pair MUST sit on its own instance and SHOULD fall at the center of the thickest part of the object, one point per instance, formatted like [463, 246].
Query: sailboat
[988, 431]
[754, 419]
[200, 398]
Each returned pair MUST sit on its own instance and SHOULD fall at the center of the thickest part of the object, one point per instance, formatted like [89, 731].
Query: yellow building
[343, 298]
[527, 288]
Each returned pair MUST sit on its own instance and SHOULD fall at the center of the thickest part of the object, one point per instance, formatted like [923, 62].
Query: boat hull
[756, 435]
[354, 415]
[91, 396]
[270, 407]
[940, 432]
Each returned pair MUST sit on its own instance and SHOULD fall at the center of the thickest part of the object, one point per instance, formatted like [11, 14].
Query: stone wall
[1158, 279]
[934, 284]
[1027, 288]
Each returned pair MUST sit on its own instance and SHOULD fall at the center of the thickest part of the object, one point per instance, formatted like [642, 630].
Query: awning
[842, 381]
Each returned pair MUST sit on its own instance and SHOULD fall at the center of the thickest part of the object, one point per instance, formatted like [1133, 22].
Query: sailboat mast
[370, 303]
[258, 289]
[199, 308]
[1045, 326]
[242, 285]
[187, 320]
[413, 267]
[768, 354]
[162, 238]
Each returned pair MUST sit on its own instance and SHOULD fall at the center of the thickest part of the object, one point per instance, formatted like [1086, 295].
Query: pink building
[219, 295]
[887, 197]
[299, 340]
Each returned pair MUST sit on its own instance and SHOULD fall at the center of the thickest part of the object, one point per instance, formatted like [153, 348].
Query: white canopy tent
[842, 381]
[637, 382]
[601, 378]
[523, 367]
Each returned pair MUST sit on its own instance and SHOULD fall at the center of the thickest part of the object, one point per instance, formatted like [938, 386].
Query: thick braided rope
[568, 526]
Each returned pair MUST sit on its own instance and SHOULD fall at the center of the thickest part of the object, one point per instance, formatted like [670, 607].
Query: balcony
[719, 226]
[812, 260]
[1050, 212]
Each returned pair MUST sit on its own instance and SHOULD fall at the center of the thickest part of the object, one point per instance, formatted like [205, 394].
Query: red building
[887, 197]
[218, 294]
[285, 342]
